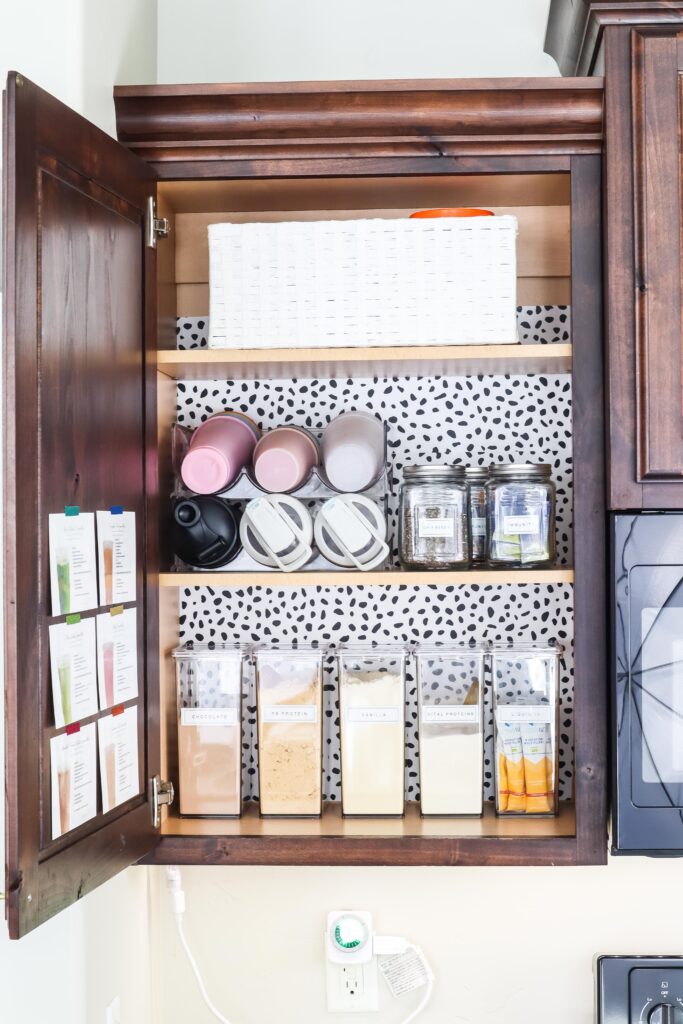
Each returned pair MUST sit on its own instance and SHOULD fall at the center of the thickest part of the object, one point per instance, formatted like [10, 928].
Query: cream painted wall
[288, 40]
[507, 945]
[69, 970]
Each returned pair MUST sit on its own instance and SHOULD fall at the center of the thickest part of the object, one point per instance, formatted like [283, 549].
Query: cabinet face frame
[174, 147]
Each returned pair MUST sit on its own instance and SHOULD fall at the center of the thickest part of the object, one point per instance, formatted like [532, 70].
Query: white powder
[372, 742]
[451, 771]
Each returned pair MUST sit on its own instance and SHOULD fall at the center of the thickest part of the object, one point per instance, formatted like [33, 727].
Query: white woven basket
[443, 281]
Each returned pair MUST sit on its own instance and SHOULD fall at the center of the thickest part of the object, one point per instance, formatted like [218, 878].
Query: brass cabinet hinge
[155, 227]
[161, 795]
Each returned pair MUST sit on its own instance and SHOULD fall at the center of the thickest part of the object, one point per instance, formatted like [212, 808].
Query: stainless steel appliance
[647, 683]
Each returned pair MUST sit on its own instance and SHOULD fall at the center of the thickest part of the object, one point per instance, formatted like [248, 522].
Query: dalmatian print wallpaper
[474, 420]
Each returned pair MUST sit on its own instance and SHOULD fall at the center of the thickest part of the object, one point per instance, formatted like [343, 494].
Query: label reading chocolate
[208, 716]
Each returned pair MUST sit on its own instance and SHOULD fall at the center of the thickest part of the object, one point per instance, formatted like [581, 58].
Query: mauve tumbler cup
[219, 450]
[353, 451]
[283, 458]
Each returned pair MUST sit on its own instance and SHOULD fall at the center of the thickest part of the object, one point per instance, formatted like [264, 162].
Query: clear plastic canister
[209, 692]
[526, 722]
[450, 687]
[372, 716]
[289, 697]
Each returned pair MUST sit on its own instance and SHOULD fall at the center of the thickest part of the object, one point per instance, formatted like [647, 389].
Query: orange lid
[456, 211]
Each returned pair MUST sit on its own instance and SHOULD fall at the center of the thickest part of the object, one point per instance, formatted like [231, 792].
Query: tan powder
[210, 767]
[290, 753]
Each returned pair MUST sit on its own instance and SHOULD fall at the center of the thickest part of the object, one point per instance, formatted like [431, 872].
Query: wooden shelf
[332, 824]
[387, 578]
[224, 364]
[333, 839]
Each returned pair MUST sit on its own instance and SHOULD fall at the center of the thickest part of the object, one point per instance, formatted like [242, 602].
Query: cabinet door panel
[78, 431]
[658, 139]
[644, 210]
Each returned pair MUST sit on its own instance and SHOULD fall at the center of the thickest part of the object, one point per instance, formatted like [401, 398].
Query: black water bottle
[205, 532]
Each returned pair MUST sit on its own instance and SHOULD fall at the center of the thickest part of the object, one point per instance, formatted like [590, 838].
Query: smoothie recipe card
[73, 759]
[119, 764]
[117, 656]
[73, 666]
[116, 553]
[73, 569]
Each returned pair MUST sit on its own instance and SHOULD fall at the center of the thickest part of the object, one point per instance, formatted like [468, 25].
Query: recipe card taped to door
[73, 759]
[117, 656]
[116, 556]
[73, 666]
[119, 768]
[73, 570]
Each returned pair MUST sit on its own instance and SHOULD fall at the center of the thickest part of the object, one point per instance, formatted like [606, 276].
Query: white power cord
[175, 888]
[385, 945]
[429, 989]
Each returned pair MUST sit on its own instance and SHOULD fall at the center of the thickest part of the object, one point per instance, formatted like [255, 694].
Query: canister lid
[521, 471]
[454, 474]
[477, 474]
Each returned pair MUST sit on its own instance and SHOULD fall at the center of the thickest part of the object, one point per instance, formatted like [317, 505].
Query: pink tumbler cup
[283, 458]
[219, 449]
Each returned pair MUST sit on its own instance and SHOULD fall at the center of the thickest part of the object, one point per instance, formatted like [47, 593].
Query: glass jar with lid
[434, 520]
[476, 477]
[521, 515]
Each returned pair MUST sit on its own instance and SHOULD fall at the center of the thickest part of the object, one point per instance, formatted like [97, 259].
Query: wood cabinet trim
[355, 121]
[575, 30]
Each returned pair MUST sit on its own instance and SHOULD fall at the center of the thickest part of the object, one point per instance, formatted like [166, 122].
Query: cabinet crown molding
[575, 27]
[313, 121]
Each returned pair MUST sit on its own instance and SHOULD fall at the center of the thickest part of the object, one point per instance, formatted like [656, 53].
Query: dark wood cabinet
[79, 430]
[640, 48]
[90, 311]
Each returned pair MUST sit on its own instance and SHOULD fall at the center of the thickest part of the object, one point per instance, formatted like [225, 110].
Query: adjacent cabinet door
[79, 431]
[644, 149]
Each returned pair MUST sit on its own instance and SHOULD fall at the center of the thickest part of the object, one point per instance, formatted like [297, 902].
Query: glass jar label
[445, 714]
[520, 524]
[507, 713]
[478, 526]
[358, 716]
[208, 716]
[272, 713]
[435, 527]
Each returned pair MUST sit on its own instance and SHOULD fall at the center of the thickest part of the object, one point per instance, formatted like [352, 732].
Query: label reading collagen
[520, 524]
[507, 713]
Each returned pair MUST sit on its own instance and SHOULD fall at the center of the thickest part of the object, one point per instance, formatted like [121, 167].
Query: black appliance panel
[647, 683]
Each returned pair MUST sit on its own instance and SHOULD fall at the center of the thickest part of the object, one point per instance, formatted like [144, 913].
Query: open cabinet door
[80, 414]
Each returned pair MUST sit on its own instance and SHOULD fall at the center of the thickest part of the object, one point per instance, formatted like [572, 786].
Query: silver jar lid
[477, 474]
[521, 471]
[453, 474]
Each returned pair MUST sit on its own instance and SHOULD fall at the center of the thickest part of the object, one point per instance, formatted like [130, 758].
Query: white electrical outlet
[112, 1015]
[352, 988]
